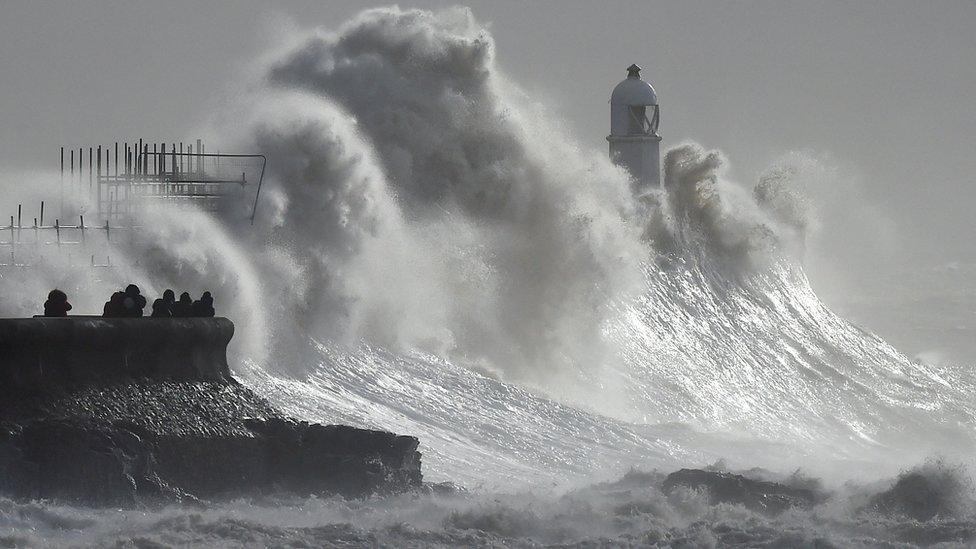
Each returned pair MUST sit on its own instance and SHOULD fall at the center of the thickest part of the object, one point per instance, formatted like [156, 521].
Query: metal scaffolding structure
[123, 182]
[24, 245]
[171, 176]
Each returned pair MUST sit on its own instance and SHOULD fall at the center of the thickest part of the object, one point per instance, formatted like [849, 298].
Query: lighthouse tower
[634, 142]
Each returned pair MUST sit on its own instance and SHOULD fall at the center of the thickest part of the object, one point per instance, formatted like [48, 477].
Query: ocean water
[928, 311]
[433, 257]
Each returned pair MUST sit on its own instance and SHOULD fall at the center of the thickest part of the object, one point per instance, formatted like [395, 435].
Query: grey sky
[884, 89]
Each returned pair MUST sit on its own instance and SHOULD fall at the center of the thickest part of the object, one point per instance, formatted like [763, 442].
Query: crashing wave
[434, 257]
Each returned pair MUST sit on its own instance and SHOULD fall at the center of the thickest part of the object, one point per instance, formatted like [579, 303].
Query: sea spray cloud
[430, 208]
[716, 215]
[355, 265]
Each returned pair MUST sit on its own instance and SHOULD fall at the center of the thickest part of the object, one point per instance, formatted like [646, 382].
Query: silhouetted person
[183, 307]
[113, 307]
[170, 298]
[204, 306]
[163, 307]
[133, 303]
[56, 304]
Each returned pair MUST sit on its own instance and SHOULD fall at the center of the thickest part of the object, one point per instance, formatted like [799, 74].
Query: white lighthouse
[634, 142]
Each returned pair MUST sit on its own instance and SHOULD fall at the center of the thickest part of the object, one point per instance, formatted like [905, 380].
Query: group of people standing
[131, 303]
[185, 307]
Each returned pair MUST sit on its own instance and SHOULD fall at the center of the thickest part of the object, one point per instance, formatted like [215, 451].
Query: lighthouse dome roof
[633, 90]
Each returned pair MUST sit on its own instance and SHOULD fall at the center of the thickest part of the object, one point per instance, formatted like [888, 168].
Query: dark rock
[81, 462]
[133, 432]
[338, 458]
[920, 496]
[760, 496]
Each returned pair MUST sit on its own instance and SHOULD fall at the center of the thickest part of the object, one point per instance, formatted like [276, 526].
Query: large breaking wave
[434, 256]
[448, 244]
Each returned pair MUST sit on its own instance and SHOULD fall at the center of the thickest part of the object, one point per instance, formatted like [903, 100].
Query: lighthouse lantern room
[634, 117]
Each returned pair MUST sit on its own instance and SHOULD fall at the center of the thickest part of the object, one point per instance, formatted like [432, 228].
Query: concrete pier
[40, 353]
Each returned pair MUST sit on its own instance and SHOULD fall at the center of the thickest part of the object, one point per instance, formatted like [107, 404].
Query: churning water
[434, 258]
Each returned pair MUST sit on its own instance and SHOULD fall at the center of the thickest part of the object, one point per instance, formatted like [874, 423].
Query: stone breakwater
[38, 354]
[127, 411]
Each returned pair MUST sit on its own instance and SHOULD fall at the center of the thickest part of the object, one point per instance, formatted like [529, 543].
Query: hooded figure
[56, 304]
[113, 307]
[133, 303]
[183, 307]
[163, 307]
[204, 306]
[170, 298]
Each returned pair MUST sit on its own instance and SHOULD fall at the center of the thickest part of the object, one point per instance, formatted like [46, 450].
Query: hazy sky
[884, 91]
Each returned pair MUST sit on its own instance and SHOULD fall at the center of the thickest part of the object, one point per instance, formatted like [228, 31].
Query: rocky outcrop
[757, 495]
[923, 495]
[135, 432]
[94, 462]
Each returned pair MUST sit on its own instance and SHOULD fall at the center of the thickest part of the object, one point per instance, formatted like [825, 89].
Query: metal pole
[62, 178]
[42, 213]
[98, 188]
[254, 210]
[125, 187]
[72, 178]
